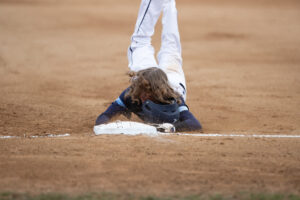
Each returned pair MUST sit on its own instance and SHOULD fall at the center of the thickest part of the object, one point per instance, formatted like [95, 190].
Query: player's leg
[141, 51]
[169, 56]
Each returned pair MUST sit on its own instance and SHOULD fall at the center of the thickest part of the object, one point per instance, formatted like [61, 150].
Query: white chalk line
[36, 136]
[240, 135]
[168, 134]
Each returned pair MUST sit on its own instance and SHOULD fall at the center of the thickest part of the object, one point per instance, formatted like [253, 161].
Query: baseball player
[157, 92]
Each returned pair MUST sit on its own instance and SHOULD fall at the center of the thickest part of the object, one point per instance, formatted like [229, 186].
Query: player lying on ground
[157, 92]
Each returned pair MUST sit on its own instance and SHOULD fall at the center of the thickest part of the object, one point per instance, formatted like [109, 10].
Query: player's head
[151, 83]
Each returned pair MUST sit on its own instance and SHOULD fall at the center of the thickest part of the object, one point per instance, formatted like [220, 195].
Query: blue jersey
[125, 105]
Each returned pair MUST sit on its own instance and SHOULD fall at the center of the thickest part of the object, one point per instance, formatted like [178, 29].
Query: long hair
[154, 82]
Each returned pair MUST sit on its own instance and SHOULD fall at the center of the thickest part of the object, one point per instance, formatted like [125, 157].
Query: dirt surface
[63, 62]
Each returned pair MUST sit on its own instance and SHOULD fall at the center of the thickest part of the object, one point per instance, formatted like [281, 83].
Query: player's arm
[116, 108]
[187, 121]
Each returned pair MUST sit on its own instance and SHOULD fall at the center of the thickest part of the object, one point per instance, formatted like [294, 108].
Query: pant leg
[141, 51]
[169, 56]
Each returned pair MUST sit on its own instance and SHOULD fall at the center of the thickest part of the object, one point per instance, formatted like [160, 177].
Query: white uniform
[141, 52]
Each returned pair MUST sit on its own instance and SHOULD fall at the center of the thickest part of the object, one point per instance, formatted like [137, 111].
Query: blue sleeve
[116, 108]
[187, 121]
[113, 110]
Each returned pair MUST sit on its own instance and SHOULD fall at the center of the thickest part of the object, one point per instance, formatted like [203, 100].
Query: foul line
[167, 134]
[36, 136]
[241, 135]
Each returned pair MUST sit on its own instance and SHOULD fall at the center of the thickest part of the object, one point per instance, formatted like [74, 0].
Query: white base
[125, 127]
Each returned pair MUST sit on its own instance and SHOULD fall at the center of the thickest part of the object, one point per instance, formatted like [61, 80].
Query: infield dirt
[63, 62]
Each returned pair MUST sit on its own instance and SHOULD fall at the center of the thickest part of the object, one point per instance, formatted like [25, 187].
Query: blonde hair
[153, 81]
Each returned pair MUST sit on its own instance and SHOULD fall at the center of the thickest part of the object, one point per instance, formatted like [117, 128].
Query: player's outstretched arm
[187, 122]
[115, 109]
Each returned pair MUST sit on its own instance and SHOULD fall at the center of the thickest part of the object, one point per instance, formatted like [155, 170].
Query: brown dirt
[63, 62]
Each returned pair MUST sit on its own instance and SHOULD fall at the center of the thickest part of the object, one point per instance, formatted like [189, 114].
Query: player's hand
[166, 128]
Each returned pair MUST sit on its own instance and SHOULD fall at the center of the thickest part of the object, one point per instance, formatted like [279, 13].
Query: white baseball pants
[141, 52]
